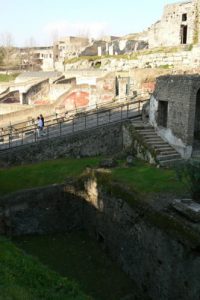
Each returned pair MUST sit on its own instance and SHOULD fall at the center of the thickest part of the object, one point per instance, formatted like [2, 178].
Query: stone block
[189, 208]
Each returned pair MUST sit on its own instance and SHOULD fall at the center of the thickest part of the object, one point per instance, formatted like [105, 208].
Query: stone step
[166, 153]
[155, 141]
[141, 126]
[145, 130]
[149, 135]
[168, 157]
[149, 142]
[170, 163]
[163, 147]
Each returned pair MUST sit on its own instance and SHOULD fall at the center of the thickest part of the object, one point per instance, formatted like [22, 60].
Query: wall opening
[184, 30]
[116, 87]
[162, 113]
[184, 17]
[197, 118]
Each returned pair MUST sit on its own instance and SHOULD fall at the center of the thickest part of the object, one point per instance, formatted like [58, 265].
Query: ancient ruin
[175, 112]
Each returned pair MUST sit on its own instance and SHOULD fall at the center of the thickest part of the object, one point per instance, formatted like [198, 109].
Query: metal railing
[67, 125]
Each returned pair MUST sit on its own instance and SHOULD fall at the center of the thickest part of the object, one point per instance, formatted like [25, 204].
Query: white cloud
[64, 28]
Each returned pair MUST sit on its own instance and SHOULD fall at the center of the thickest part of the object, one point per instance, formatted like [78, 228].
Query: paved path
[73, 125]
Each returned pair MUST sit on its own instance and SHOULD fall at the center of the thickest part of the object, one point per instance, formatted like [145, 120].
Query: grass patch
[23, 277]
[80, 258]
[142, 177]
[146, 178]
[8, 77]
[41, 174]
[165, 66]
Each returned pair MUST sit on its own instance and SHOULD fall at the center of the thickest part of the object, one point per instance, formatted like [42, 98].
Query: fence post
[48, 132]
[9, 138]
[35, 134]
[22, 137]
[60, 128]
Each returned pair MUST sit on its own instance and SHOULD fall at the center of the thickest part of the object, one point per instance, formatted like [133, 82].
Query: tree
[7, 45]
[1, 55]
[189, 173]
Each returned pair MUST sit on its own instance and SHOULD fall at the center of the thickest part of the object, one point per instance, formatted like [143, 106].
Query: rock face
[157, 250]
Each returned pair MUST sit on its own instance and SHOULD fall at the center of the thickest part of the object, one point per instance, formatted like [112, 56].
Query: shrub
[189, 174]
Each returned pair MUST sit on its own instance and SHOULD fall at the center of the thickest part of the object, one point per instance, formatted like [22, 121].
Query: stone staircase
[166, 155]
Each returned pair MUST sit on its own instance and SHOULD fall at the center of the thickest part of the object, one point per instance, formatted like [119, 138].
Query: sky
[40, 22]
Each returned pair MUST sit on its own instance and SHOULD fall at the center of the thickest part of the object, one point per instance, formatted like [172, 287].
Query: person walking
[39, 126]
[42, 119]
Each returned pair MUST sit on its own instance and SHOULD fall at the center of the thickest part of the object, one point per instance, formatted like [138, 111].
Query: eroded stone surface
[188, 208]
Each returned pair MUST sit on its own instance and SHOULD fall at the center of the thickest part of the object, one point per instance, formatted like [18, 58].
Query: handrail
[74, 123]
[72, 112]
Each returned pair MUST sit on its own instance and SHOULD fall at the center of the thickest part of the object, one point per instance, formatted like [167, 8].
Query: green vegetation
[142, 202]
[145, 178]
[166, 66]
[40, 174]
[141, 176]
[189, 174]
[78, 257]
[2, 54]
[8, 77]
[23, 277]
[132, 56]
[97, 65]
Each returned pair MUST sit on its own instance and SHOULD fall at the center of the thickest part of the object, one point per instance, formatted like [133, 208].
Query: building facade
[175, 111]
[179, 25]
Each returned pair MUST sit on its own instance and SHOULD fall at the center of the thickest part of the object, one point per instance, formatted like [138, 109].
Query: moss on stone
[166, 221]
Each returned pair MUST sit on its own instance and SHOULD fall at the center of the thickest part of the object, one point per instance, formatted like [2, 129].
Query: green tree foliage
[189, 174]
[2, 54]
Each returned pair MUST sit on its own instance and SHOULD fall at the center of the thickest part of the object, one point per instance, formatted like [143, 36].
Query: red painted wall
[148, 87]
[76, 99]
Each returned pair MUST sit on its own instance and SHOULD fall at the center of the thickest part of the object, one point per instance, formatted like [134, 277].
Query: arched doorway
[197, 120]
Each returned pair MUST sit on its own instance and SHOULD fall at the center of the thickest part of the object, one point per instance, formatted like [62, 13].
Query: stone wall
[180, 94]
[6, 109]
[157, 249]
[40, 89]
[39, 211]
[106, 140]
[167, 31]
[56, 90]
[165, 58]
[10, 97]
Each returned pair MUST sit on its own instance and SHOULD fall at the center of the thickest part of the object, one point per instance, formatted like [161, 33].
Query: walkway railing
[67, 125]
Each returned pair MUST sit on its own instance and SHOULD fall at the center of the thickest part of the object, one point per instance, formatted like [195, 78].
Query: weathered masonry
[166, 269]
[175, 111]
[178, 25]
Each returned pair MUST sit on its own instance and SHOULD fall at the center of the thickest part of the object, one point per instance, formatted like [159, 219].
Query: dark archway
[162, 113]
[197, 119]
[116, 86]
[184, 32]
